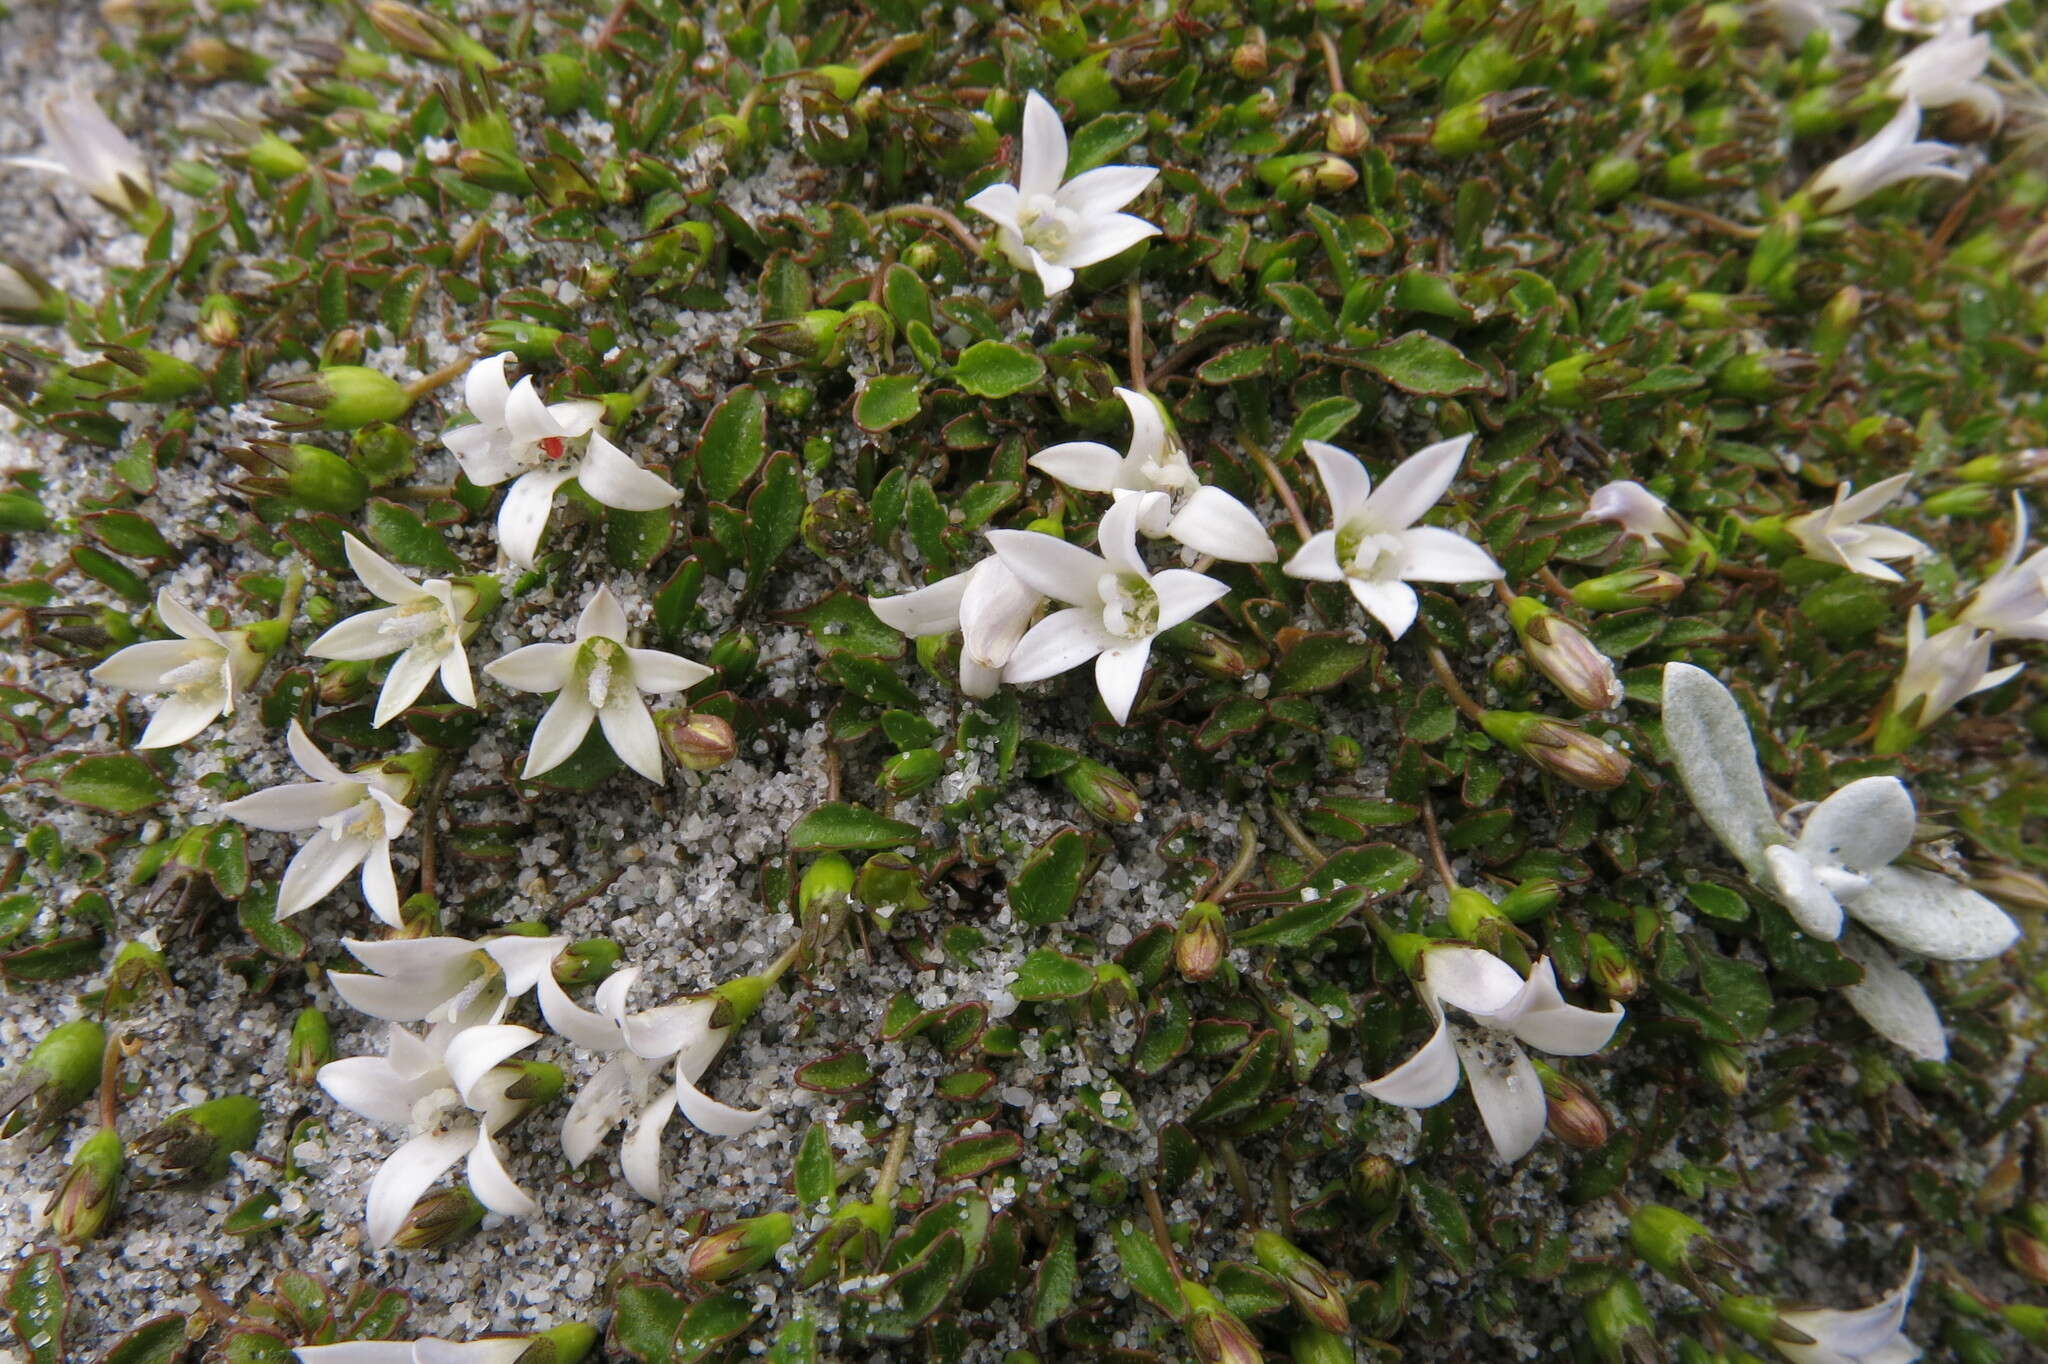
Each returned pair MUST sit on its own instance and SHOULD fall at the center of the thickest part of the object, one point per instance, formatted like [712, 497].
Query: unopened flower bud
[1200, 942]
[342, 682]
[220, 320]
[61, 1070]
[1343, 752]
[1103, 791]
[1248, 60]
[1620, 1325]
[79, 1209]
[2027, 467]
[321, 480]
[1562, 653]
[440, 1219]
[1762, 378]
[1579, 381]
[1376, 1183]
[1214, 653]
[1532, 899]
[1611, 970]
[1216, 1336]
[1725, 1067]
[1628, 589]
[1314, 1345]
[533, 342]
[2025, 1252]
[312, 1045]
[735, 656]
[1300, 177]
[197, 1143]
[2029, 1321]
[147, 376]
[1510, 672]
[26, 298]
[1316, 1295]
[1676, 1244]
[907, 773]
[1965, 499]
[1565, 751]
[587, 962]
[341, 397]
[740, 1248]
[1575, 1116]
[1613, 176]
[696, 739]
[568, 1343]
[1837, 323]
[137, 974]
[1346, 129]
[428, 36]
[826, 884]
[1485, 123]
[536, 1083]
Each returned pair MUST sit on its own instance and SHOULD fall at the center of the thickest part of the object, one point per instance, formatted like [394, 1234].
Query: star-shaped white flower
[1943, 668]
[1173, 500]
[1794, 19]
[1935, 16]
[1375, 547]
[1893, 155]
[1835, 534]
[1507, 1007]
[82, 144]
[356, 815]
[1866, 1335]
[1842, 862]
[449, 1089]
[2013, 602]
[1054, 229]
[628, 1087]
[425, 1350]
[1641, 514]
[990, 607]
[1115, 606]
[425, 624]
[598, 678]
[517, 436]
[203, 670]
[1948, 69]
[445, 980]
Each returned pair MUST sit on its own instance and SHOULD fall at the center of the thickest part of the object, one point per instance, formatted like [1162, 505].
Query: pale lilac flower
[1375, 547]
[1935, 16]
[1507, 1009]
[1641, 514]
[1116, 607]
[1948, 69]
[353, 817]
[203, 670]
[1942, 669]
[519, 437]
[1835, 534]
[990, 607]
[597, 678]
[83, 145]
[1893, 155]
[631, 1085]
[445, 980]
[449, 1089]
[425, 624]
[1054, 229]
[1794, 19]
[2013, 602]
[1866, 1335]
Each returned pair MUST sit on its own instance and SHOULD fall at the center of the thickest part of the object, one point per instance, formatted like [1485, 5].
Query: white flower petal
[1099, 239]
[1316, 560]
[1432, 555]
[678, 1029]
[178, 719]
[576, 416]
[409, 676]
[1861, 1334]
[396, 999]
[141, 667]
[1864, 825]
[380, 885]
[710, 1116]
[409, 1172]
[360, 638]
[1508, 1092]
[1214, 523]
[1790, 877]
[1042, 157]
[1425, 1079]
[655, 671]
[1894, 1004]
[629, 728]
[294, 808]
[534, 668]
[181, 620]
[933, 609]
[525, 961]
[1000, 204]
[1392, 604]
[317, 868]
[357, 1352]
[1716, 760]
[1119, 673]
[474, 1052]
[1056, 278]
[523, 516]
[1540, 1016]
[1085, 464]
[995, 611]
[1415, 485]
[1116, 538]
[490, 1350]
[1470, 979]
[602, 618]
[1932, 915]
[591, 1031]
[308, 756]
[1345, 481]
[493, 1184]
[1184, 594]
[599, 1107]
[1105, 189]
[455, 678]
[485, 388]
[615, 480]
[640, 1153]
[527, 418]
[1063, 640]
[560, 732]
[369, 1087]
[380, 575]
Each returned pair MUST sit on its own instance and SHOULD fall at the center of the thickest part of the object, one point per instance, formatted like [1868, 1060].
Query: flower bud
[1532, 899]
[907, 773]
[1579, 381]
[1298, 178]
[1510, 672]
[735, 655]
[1725, 1066]
[2027, 467]
[61, 1070]
[1376, 1183]
[1565, 751]
[1628, 589]
[340, 397]
[1316, 1295]
[1776, 249]
[587, 962]
[1836, 323]
[1965, 499]
[536, 1083]
[428, 36]
[1762, 378]
[826, 883]
[740, 1248]
[2028, 1320]
[146, 376]
[1485, 123]
[220, 320]
[697, 740]
[342, 681]
[1216, 1336]
[532, 342]
[1249, 59]
[568, 1343]
[1214, 653]
[1562, 653]
[837, 523]
[1103, 791]
[1612, 177]
[79, 1210]
[1201, 941]
[196, 1143]
[138, 972]
[1620, 1324]
[1575, 1116]
[440, 1219]
[1314, 1345]
[1677, 1245]
[1343, 752]
[1346, 129]
[26, 298]
[1611, 970]
[311, 1047]
[321, 480]
[2024, 1252]
[2012, 887]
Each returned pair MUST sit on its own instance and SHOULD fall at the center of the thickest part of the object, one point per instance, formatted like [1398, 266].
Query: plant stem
[1279, 484]
[1134, 330]
[1460, 698]
[938, 215]
[892, 1164]
[1295, 834]
[447, 374]
[1436, 845]
[1247, 852]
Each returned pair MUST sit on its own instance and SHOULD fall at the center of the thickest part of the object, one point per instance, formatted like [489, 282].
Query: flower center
[1046, 227]
[440, 1110]
[417, 622]
[1373, 557]
[198, 678]
[601, 670]
[553, 447]
[1130, 608]
[1169, 472]
[364, 819]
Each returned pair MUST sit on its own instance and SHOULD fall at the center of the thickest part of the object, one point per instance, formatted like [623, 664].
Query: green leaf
[38, 1303]
[1051, 974]
[1441, 1219]
[1100, 139]
[1059, 1273]
[1738, 991]
[845, 623]
[400, 533]
[708, 1325]
[733, 444]
[1421, 363]
[1324, 420]
[972, 1157]
[997, 369]
[1145, 1266]
[1046, 886]
[841, 827]
[646, 1314]
[773, 514]
[161, 1340]
[817, 1175]
[1319, 662]
[1246, 1082]
[841, 1073]
[118, 783]
[1300, 925]
[1718, 902]
[888, 401]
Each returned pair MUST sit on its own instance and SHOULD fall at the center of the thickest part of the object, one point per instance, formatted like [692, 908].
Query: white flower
[1375, 548]
[517, 436]
[1504, 1083]
[1054, 229]
[599, 678]
[1892, 155]
[425, 625]
[1948, 69]
[987, 604]
[1115, 607]
[1173, 500]
[425, 1350]
[449, 1089]
[1836, 534]
[1868, 1335]
[1640, 513]
[1841, 863]
[1944, 668]
[638, 1049]
[1839, 19]
[2013, 602]
[83, 145]
[445, 980]
[357, 815]
[1935, 16]
[202, 670]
